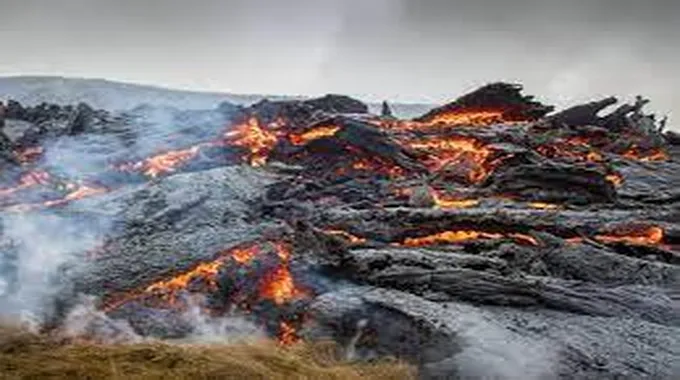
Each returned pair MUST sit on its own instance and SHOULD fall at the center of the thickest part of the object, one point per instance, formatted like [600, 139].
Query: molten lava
[449, 237]
[205, 272]
[287, 334]
[462, 236]
[258, 141]
[79, 192]
[477, 118]
[162, 163]
[634, 153]
[543, 206]
[244, 255]
[278, 286]
[378, 166]
[615, 179]
[465, 153]
[648, 236]
[313, 134]
[346, 236]
[444, 202]
[28, 180]
[575, 148]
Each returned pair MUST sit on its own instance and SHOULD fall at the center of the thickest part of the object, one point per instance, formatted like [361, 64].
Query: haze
[413, 51]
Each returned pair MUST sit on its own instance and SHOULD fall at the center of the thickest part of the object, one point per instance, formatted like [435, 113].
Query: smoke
[40, 250]
[494, 352]
[221, 329]
[37, 247]
[86, 321]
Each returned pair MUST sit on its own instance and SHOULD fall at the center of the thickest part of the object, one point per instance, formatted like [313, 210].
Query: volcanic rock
[182, 220]
[80, 119]
[465, 341]
[586, 114]
[2, 115]
[386, 111]
[495, 96]
[19, 132]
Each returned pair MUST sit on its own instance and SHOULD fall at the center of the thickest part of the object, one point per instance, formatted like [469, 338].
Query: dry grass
[29, 356]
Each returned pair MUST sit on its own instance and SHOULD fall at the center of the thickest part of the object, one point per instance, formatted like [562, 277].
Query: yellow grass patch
[24, 355]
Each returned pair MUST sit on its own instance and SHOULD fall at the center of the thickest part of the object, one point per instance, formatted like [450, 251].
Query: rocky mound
[487, 238]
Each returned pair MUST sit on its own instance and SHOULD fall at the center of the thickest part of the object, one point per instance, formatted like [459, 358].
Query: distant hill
[101, 93]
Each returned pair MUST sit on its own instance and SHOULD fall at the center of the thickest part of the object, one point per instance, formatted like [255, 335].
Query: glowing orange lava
[449, 237]
[462, 236]
[444, 202]
[524, 239]
[80, 192]
[346, 236]
[282, 250]
[313, 134]
[162, 163]
[279, 287]
[28, 180]
[377, 166]
[468, 117]
[467, 153]
[543, 206]
[287, 334]
[573, 148]
[634, 153]
[648, 236]
[244, 255]
[615, 179]
[206, 272]
[252, 136]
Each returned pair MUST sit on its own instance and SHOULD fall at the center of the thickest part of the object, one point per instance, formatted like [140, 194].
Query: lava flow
[634, 153]
[253, 137]
[278, 285]
[441, 201]
[287, 334]
[313, 134]
[78, 192]
[162, 163]
[378, 166]
[464, 152]
[28, 180]
[467, 117]
[573, 148]
[543, 206]
[204, 273]
[346, 236]
[647, 236]
[615, 179]
[462, 236]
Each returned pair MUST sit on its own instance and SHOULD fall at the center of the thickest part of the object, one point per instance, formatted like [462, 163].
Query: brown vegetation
[24, 355]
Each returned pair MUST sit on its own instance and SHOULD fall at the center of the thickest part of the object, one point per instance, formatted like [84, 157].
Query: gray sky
[407, 50]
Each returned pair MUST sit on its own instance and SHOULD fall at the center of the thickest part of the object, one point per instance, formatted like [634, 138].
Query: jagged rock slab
[165, 227]
[463, 341]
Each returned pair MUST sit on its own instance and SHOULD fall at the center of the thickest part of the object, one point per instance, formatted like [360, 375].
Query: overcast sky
[407, 50]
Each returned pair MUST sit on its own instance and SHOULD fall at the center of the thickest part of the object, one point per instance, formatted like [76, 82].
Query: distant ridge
[112, 95]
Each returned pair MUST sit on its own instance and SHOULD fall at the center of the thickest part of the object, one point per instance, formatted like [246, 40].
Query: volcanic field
[491, 236]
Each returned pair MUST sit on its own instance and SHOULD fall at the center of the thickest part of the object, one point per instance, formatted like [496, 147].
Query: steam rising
[38, 247]
[492, 352]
